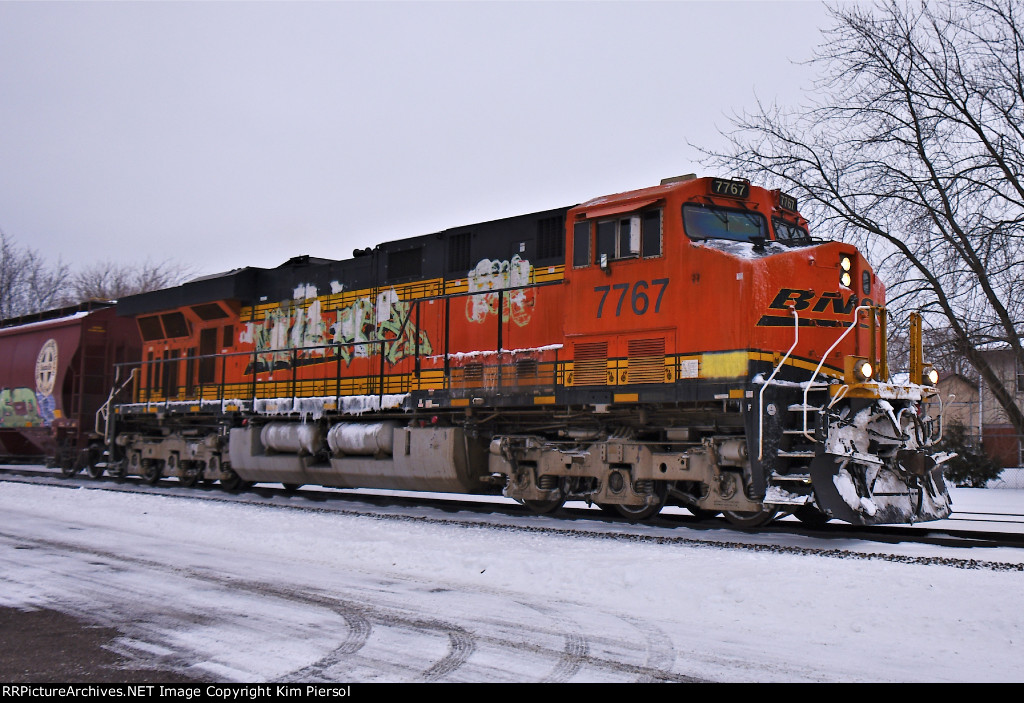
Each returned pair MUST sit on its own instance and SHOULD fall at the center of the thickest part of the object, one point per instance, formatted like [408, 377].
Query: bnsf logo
[803, 299]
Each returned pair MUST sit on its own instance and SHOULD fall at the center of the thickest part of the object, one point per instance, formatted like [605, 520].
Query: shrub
[971, 467]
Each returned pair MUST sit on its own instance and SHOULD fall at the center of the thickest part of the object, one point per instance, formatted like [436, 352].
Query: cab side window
[581, 243]
[625, 237]
[629, 237]
[651, 233]
[605, 241]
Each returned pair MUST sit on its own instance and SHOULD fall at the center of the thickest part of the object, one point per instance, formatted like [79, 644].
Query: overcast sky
[236, 134]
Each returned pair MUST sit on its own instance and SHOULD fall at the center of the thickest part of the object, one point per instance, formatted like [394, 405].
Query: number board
[732, 189]
[787, 202]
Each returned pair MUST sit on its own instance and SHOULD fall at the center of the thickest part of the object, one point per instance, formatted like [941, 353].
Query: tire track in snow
[140, 634]
[661, 653]
[359, 632]
[576, 648]
[360, 617]
[460, 647]
[461, 643]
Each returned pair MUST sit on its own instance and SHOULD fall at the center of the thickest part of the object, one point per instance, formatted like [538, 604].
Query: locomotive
[683, 344]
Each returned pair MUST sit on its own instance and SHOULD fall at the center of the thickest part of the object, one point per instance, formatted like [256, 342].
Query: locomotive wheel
[233, 482]
[152, 470]
[544, 507]
[640, 513]
[190, 473]
[118, 469]
[702, 513]
[93, 470]
[751, 519]
[68, 471]
[811, 516]
[291, 487]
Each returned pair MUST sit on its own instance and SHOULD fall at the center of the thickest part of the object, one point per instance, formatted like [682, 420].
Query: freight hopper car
[687, 343]
[56, 371]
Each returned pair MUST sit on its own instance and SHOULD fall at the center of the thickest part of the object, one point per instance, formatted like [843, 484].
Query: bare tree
[108, 280]
[913, 147]
[27, 282]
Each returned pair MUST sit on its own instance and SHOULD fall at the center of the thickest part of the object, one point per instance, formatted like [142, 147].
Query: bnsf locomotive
[685, 344]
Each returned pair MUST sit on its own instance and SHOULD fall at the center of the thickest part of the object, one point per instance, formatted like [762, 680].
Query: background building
[972, 404]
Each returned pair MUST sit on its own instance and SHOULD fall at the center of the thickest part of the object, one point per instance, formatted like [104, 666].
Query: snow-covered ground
[239, 592]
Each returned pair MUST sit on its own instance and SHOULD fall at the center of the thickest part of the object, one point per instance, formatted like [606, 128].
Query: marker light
[846, 266]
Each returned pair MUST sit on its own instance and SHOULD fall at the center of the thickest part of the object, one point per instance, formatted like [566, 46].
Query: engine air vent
[646, 362]
[590, 367]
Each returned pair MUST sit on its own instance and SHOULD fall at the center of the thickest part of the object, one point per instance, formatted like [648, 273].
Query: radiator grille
[590, 365]
[646, 361]
[526, 372]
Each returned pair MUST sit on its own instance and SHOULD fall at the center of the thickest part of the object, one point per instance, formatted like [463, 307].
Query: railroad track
[499, 513]
[972, 516]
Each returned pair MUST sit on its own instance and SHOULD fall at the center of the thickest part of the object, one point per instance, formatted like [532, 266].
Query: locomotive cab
[712, 330]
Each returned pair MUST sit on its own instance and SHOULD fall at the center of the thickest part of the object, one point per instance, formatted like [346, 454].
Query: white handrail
[104, 411]
[942, 425]
[807, 386]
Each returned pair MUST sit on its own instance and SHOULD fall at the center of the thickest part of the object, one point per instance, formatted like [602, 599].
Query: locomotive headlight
[845, 279]
[930, 375]
[858, 369]
[845, 262]
[863, 370]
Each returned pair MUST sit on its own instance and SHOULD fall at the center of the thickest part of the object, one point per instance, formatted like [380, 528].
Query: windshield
[709, 222]
[790, 234]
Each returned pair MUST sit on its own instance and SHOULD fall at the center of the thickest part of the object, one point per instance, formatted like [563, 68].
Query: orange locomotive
[687, 343]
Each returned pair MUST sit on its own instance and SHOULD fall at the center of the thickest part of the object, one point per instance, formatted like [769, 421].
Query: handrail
[381, 382]
[760, 396]
[942, 425]
[808, 384]
[840, 394]
[104, 410]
